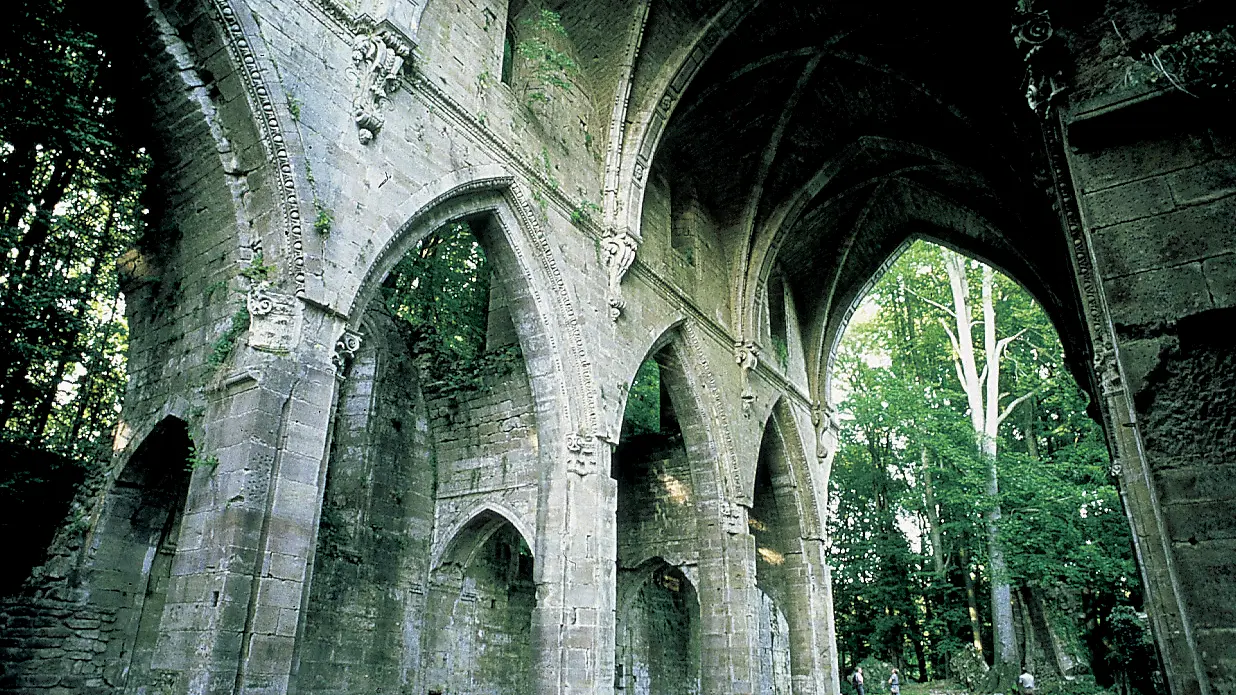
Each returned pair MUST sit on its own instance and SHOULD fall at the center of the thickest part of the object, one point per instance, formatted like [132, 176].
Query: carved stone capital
[345, 350]
[274, 319]
[378, 55]
[1035, 36]
[618, 252]
[1116, 468]
[581, 455]
[259, 302]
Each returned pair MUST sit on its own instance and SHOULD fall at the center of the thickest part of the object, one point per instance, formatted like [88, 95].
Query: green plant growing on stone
[482, 118]
[484, 81]
[548, 165]
[550, 70]
[294, 106]
[257, 270]
[583, 213]
[223, 346]
[324, 220]
[782, 351]
[198, 460]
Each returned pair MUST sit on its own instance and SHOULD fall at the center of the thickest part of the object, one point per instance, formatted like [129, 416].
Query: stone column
[576, 560]
[729, 604]
[234, 602]
[814, 586]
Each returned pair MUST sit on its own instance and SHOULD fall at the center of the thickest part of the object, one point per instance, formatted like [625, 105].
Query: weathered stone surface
[347, 528]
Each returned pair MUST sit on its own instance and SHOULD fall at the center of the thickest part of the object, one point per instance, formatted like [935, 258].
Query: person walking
[857, 678]
[894, 683]
[1026, 681]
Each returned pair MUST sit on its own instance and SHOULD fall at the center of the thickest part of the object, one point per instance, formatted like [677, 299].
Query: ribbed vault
[820, 136]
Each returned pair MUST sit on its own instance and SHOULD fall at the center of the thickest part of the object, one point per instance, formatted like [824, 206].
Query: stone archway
[133, 546]
[658, 631]
[479, 606]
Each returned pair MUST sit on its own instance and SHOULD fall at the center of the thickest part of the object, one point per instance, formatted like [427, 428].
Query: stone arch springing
[658, 640]
[133, 546]
[480, 600]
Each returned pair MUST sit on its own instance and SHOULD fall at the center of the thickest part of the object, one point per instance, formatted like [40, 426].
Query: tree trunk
[971, 601]
[933, 517]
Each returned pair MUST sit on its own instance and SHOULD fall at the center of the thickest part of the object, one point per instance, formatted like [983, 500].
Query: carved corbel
[1032, 34]
[581, 455]
[345, 351]
[827, 431]
[747, 356]
[378, 55]
[619, 249]
[733, 517]
[1107, 370]
[1116, 468]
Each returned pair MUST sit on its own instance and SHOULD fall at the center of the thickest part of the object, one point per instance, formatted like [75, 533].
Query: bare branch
[1004, 342]
[1008, 410]
[934, 303]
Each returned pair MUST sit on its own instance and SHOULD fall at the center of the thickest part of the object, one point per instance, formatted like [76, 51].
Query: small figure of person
[894, 683]
[858, 680]
[1026, 682]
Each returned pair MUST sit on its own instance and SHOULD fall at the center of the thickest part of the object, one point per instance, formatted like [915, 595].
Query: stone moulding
[266, 116]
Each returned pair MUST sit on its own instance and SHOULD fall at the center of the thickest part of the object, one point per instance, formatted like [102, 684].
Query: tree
[983, 395]
[71, 179]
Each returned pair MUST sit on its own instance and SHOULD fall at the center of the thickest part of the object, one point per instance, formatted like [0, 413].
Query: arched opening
[437, 405]
[656, 496]
[976, 519]
[480, 603]
[658, 611]
[134, 545]
[658, 631]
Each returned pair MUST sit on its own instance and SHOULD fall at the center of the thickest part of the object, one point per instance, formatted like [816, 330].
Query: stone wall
[1156, 176]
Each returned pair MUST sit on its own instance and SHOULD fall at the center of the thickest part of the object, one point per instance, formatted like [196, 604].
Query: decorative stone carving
[274, 319]
[733, 517]
[1116, 468]
[345, 350]
[747, 356]
[258, 301]
[377, 60]
[581, 455]
[1032, 34]
[827, 430]
[1107, 370]
[619, 253]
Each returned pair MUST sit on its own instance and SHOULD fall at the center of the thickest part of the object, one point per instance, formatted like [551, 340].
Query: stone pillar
[233, 605]
[815, 647]
[576, 565]
[729, 603]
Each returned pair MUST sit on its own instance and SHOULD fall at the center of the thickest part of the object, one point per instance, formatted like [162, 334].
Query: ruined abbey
[303, 514]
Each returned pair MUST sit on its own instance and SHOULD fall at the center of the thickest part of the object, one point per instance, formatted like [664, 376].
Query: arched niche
[133, 546]
[481, 597]
[658, 642]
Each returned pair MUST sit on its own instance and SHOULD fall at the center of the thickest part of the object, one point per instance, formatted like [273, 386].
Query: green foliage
[324, 220]
[257, 271]
[643, 412]
[1063, 529]
[1205, 58]
[583, 213]
[549, 70]
[439, 295]
[294, 106]
[222, 348]
[71, 181]
[781, 350]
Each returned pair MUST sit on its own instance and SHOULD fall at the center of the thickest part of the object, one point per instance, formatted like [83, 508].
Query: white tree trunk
[983, 395]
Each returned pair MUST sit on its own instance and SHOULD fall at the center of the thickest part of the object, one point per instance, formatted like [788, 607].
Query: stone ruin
[308, 517]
